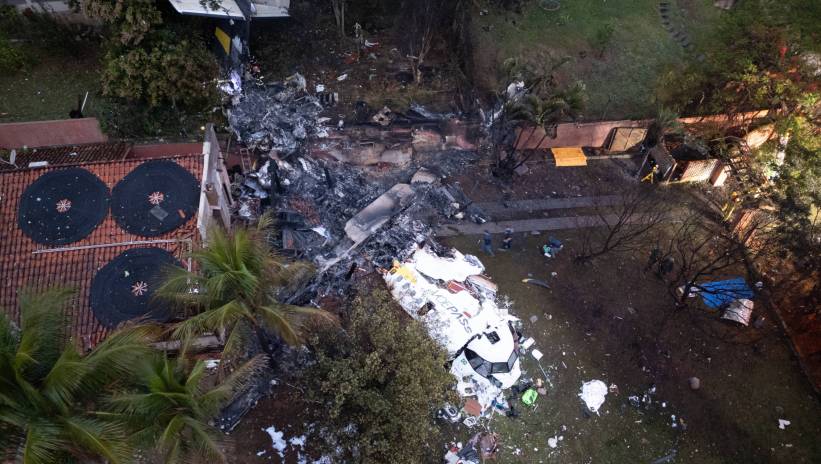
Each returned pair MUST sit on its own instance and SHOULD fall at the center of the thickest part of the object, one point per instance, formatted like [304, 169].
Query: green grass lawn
[621, 76]
[601, 322]
[47, 88]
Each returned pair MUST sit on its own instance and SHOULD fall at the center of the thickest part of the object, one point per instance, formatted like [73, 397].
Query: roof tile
[26, 264]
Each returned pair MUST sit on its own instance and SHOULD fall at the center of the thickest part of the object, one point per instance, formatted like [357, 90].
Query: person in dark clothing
[507, 242]
[665, 267]
[655, 257]
[487, 243]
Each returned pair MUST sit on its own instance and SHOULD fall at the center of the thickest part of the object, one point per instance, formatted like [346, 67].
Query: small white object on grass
[783, 423]
[593, 393]
[537, 354]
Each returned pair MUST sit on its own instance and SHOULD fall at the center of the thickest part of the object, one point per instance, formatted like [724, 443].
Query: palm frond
[42, 444]
[206, 442]
[42, 330]
[291, 322]
[105, 438]
[214, 399]
[211, 320]
[170, 439]
[66, 378]
[118, 357]
[9, 336]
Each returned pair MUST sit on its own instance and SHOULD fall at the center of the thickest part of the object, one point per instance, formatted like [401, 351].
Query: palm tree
[49, 391]
[544, 112]
[171, 411]
[665, 122]
[234, 291]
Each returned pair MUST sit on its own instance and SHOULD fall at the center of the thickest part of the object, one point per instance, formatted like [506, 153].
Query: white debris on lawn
[458, 307]
[783, 423]
[553, 442]
[593, 393]
[278, 442]
[298, 441]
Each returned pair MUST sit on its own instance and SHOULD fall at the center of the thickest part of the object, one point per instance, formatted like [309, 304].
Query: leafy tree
[131, 20]
[171, 409]
[164, 68]
[49, 392]
[378, 382]
[234, 291]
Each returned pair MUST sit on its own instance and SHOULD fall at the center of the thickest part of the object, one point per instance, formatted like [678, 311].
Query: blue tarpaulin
[723, 292]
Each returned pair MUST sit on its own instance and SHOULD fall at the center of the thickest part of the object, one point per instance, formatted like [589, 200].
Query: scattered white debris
[342, 77]
[552, 442]
[783, 423]
[528, 343]
[320, 88]
[260, 453]
[538, 355]
[278, 442]
[212, 363]
[593, 393]
[298, 441]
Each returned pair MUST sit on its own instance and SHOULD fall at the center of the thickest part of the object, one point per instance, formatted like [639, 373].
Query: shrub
[378, 381]
[161, 70]
[11, 59]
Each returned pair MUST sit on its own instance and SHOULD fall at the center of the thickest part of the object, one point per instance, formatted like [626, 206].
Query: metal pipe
[108, 245]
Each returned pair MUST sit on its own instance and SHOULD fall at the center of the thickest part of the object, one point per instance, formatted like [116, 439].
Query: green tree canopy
[50, 393]
[130, 20]
[378, 381]
[165, 68]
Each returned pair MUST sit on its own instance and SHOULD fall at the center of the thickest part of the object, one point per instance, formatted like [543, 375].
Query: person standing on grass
[487, 243]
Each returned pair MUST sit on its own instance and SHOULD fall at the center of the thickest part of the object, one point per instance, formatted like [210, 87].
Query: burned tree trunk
[339, 15]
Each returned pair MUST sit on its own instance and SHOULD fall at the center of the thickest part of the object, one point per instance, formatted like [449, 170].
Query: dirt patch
[249, 441]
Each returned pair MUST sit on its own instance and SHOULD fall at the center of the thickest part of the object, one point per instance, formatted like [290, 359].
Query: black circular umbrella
[124, 288]
[62, 206]
[156, 197]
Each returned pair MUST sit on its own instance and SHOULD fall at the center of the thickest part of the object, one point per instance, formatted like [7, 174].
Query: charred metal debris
[347, 200]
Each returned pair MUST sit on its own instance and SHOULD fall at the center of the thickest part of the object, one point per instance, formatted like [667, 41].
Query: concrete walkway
[545, 204]
[524, 225]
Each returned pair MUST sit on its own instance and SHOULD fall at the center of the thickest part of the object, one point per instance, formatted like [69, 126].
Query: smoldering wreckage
[368, 199]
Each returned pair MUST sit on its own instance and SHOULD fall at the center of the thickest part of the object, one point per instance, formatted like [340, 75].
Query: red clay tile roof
[70, 154]
[51, 133]
[25, 264]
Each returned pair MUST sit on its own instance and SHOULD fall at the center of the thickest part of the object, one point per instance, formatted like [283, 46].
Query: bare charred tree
[339, 15]
[425, 20]
[621, 222]
[702, 250]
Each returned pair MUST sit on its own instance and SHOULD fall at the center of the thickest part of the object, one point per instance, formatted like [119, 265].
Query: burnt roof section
[26, 264]
[67, 155]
